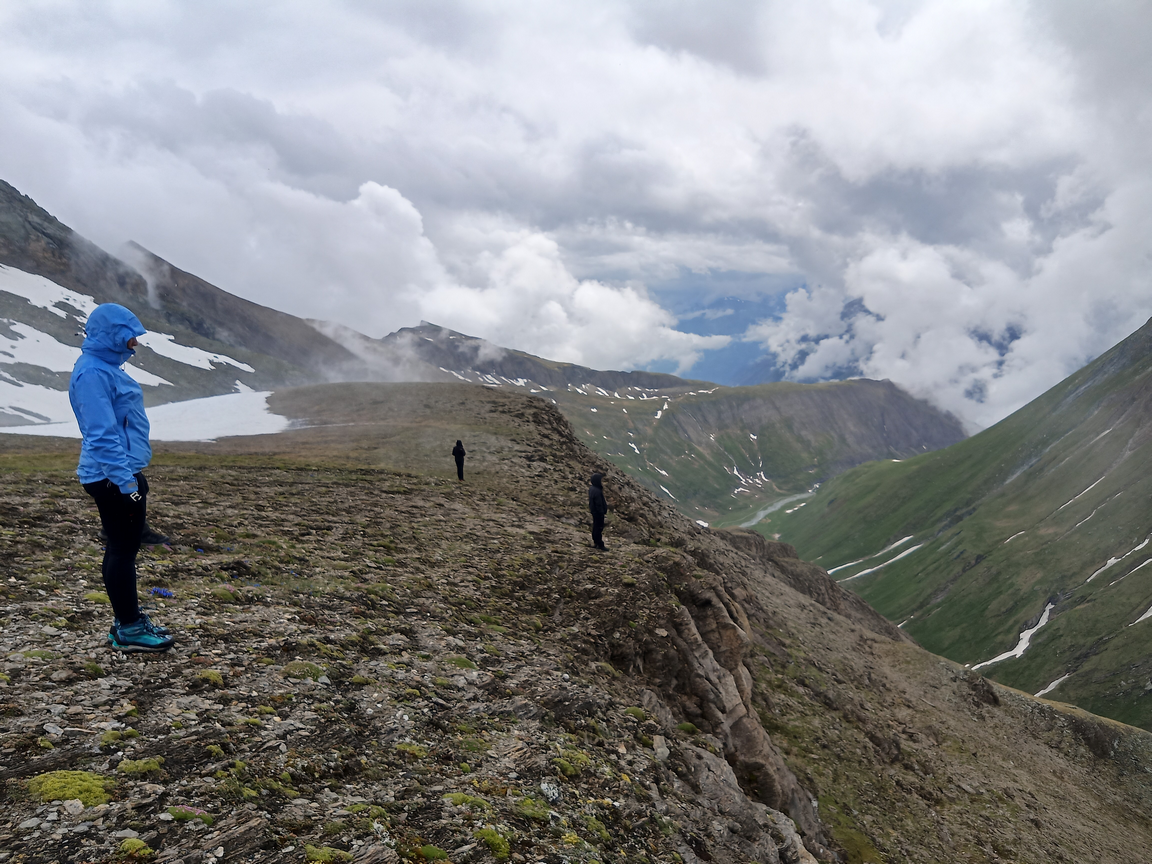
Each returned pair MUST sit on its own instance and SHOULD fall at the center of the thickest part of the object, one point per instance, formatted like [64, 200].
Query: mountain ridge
[384, 663]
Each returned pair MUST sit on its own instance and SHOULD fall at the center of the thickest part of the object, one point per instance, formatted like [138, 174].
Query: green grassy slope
[1008, 521]
[725, 453]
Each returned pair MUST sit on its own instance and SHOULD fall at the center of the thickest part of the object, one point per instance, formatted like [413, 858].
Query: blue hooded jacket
[108, 404]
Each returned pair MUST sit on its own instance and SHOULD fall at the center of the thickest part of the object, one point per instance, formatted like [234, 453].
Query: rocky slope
[1040, 524]
[376, 662]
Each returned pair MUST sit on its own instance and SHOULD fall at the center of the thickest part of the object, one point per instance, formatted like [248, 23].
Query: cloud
[941, 177]
[531, 302]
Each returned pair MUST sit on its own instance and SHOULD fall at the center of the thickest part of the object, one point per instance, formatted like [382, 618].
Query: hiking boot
[163, 631]
[153, 538]
[148, 538]
[141, 635]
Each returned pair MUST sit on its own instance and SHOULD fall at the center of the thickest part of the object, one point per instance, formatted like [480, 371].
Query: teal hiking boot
[163, 631]
[141, 635]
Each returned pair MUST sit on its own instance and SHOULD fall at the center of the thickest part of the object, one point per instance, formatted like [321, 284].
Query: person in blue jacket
[109, 408]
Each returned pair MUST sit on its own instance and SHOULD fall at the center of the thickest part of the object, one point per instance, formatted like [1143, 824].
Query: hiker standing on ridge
[458, 454]
[599, 508]
[109, 408]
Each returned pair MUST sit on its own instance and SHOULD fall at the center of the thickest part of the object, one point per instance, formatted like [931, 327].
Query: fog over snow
[956, 196]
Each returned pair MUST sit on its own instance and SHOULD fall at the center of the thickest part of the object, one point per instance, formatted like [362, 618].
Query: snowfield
[244, 413]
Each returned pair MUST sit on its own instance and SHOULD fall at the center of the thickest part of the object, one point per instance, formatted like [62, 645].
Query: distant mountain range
[723, 454]
[1025, 550]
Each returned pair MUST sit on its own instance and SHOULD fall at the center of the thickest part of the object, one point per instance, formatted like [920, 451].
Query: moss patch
[90, 788]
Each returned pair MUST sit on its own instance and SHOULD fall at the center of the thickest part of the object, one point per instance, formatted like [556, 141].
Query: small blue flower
[161, 592]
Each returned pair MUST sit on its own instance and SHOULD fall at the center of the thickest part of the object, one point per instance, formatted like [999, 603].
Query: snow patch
[1112, 561]
[143, 376]
[1081, 495]
[701, 523]
[43, 292]
[193, 420]
[903, 554]
[1013, 537]
[1055, 683]
[669, 494]
[887, 548]
[1130, 572]
[1025, 638]
[166, 346]
[630, 444]
[36, 349]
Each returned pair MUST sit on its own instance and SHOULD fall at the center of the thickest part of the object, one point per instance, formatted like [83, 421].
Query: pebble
[73, 807]
[28, 824]
[126, 834]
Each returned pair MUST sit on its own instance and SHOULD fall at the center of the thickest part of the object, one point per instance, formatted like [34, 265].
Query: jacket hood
[595, 480]
[109, 328]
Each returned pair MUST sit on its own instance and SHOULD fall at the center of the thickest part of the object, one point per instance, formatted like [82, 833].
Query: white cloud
[531, 172]
[531, 302]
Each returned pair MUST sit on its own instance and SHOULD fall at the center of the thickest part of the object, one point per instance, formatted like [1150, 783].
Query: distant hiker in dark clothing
[458, 454]
[109, 409]
[599, 508]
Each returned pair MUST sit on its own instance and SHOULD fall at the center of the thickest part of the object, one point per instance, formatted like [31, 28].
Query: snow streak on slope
[1112, 561]
[1022, 643]
[903, 554]
[887, 548]
[166, 346]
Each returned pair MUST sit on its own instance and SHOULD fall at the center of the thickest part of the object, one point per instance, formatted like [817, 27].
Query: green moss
[211, 677]
[184, 813]
[4, 679]
[93, 669]
[336, 827]
[687, 728]
[497, 843]
[433, 853]
[463, 799]
[597, 828]
[475, 745]
[607, 669]
[135, 848]
[39, 654]
[325, 854]
[413, 750]
[628, 580]
[533, 808]
[44, 744]
[302, 669]
[460, 662]
[90, 788]
[215, 750]
[140, 767]
[360, 680]
[638, 713]
[97, 597]
[265, 709]
[224, 595]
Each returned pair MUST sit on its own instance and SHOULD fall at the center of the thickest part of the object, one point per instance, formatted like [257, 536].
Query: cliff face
[379, 660]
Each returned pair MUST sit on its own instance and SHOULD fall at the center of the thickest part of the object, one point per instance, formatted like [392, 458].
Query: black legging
[123, 521]
[460, 467]
[598, 530]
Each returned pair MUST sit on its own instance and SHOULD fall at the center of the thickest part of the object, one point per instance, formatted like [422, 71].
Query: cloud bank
[962, 189]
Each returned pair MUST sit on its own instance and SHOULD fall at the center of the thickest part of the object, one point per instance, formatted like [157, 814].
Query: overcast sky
[954, 195]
